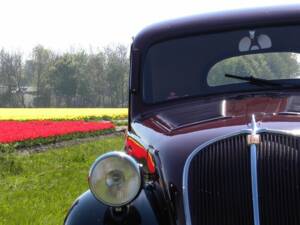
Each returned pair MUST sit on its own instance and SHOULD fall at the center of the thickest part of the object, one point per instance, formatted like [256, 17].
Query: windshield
[197, 65]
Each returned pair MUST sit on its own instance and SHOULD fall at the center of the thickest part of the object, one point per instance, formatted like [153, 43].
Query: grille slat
[219, 182]
[216, 194]
[278, 180]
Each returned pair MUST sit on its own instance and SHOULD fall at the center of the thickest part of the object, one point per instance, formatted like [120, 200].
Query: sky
[65, 25]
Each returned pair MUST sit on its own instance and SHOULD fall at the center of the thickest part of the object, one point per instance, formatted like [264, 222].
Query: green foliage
[37, 75]
[11, 79]
[6, 148]
[8, 165]
[39, 188]
[63, 78]
[265, 65]
[72, 79]
[120, 122]
[117, 65]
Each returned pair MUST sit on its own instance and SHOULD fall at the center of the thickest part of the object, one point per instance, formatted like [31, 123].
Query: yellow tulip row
[62, 113]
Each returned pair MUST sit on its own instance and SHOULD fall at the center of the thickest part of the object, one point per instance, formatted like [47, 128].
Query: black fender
[87, 210]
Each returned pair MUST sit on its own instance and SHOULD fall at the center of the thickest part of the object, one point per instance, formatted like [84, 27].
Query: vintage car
[214, 126]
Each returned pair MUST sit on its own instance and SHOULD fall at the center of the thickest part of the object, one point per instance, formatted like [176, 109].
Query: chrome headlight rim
[133, 163]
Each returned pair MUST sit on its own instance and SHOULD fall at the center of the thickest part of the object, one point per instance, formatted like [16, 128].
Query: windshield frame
[218, 90]
[201, 24]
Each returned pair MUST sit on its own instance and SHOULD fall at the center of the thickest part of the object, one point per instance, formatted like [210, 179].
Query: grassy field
[38, 189]
[61, 113]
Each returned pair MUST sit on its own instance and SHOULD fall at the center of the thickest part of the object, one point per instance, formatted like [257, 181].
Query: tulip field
[38, 187]
[21, 114]
[22, 131]
[35, 126]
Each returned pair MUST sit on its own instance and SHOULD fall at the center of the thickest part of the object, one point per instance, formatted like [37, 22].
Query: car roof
[218, 21]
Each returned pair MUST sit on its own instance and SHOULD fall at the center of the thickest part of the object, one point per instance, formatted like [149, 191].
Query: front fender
[87, 210]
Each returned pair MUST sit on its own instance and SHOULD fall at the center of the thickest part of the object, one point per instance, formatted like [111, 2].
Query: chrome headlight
[115, 179]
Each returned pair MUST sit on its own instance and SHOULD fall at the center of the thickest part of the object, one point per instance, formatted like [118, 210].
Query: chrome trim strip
[255, 201]
[253, 125]
[202, 146]
[223, 108]
[254, 185]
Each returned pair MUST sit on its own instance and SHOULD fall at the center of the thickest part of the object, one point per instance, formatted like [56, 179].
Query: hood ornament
[253, 138]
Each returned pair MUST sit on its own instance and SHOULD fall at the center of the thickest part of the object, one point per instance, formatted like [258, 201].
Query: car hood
[174, 133]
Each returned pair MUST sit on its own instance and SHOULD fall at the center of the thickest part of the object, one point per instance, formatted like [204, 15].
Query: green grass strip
[39, 188]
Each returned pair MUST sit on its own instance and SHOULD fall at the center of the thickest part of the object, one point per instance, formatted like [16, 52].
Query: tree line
[100, 79]
[70, 79]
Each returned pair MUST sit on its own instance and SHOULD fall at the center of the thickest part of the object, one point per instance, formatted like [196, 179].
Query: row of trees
[100, 79]
[72, 79]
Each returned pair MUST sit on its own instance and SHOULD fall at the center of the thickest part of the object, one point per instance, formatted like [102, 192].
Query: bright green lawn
[38, 189]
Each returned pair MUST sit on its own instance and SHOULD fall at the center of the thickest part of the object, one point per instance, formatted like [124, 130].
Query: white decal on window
[254, 42]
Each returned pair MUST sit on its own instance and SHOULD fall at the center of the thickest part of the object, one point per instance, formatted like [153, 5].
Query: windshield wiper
[254, 80]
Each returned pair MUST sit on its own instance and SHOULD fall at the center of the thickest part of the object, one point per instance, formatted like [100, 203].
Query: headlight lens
[115, 179]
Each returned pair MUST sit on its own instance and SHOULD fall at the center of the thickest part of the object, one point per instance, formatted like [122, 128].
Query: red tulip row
[17, 131]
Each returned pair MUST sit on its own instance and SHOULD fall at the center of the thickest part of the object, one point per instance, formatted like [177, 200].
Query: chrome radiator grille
[219, 182]
[279, 179]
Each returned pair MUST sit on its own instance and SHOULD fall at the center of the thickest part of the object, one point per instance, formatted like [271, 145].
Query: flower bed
[18, 131]
[25, 114]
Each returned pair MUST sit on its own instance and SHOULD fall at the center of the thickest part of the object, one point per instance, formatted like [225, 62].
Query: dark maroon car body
[172, 130]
